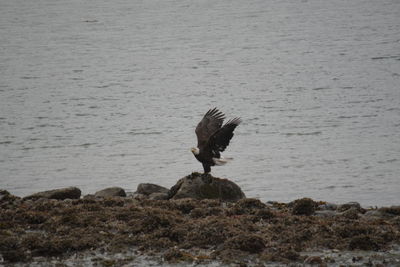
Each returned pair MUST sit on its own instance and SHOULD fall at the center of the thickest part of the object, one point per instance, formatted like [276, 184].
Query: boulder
[59, 194]
[111, 192]
[148, 189]
[205, 186]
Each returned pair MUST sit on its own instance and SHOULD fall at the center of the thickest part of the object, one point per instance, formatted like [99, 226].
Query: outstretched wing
[211, 122]
[220, 139]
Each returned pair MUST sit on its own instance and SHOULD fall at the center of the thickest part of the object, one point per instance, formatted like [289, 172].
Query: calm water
[108, 93]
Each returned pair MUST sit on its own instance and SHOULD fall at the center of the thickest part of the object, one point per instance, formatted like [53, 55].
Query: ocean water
[108, 93]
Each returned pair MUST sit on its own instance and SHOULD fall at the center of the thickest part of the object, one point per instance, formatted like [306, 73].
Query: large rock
[111, 192]
[60, 194]
[201, 186]
[148, 189]
[151, 191]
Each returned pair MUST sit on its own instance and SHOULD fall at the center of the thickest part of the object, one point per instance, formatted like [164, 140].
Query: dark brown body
[206, 158]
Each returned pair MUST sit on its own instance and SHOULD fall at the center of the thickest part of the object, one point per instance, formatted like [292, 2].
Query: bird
[213, 138]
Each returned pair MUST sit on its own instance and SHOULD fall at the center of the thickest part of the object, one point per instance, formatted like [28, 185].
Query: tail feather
[221, 161]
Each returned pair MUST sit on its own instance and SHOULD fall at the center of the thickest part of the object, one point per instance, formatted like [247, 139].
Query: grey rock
[59, 194]
[111, 192]
[328, 206]
[147, 189]
[200, 186]
[325, 213]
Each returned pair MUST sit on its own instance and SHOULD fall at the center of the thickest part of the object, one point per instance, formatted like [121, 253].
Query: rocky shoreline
[201, 220]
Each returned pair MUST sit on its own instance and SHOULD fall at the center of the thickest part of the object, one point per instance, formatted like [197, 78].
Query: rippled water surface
[108, 93]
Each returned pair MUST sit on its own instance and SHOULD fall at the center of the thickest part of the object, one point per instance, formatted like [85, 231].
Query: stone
[205, 186]
[111, 192]
[328, 206]
[350, 205]
[148, 189]
[59, 194]
[325, 213]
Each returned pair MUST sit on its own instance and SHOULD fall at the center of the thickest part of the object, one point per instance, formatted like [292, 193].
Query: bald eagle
[213, 138]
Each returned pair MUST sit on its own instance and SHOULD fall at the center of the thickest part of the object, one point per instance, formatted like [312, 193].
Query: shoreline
[117, 230]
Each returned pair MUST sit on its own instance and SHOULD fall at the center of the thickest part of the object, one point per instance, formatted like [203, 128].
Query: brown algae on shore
[186, 230]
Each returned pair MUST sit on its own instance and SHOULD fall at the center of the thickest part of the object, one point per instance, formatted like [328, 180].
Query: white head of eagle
[213, 138]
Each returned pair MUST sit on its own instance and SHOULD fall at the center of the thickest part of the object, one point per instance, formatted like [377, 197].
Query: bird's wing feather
[211, 122]
[220, 139]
